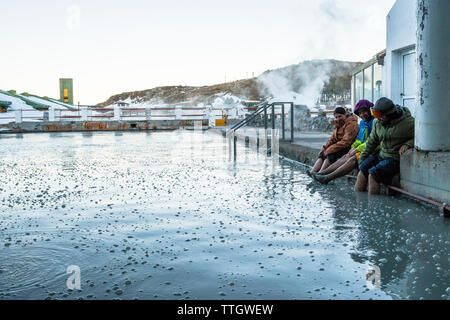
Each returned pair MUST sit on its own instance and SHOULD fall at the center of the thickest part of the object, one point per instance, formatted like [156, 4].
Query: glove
[360, 148]
[356, 144]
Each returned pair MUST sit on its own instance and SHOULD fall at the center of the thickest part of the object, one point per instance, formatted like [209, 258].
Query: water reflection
[408, 241]
[166, 215]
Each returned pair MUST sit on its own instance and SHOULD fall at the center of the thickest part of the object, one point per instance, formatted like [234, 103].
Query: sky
[110, 47]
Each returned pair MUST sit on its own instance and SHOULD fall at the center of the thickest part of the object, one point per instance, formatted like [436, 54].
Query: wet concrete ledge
[425, 174]
[304, 149]
[71, 126]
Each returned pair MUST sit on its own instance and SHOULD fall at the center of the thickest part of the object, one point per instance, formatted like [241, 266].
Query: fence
[117, 113]
[125, 114]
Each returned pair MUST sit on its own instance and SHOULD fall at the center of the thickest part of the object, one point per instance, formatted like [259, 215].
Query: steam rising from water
[301, 83]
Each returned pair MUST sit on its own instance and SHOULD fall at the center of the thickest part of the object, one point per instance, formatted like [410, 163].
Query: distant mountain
[304, 82]
[244, 89]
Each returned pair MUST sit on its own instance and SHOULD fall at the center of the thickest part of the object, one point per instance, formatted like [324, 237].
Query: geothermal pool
[166, 215]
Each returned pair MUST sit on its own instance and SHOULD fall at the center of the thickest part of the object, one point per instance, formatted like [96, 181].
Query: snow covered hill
[303, 83]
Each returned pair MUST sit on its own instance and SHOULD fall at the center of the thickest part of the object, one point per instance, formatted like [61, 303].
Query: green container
[66, 90]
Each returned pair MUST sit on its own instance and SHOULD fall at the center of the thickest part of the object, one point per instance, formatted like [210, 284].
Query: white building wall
[401, 36]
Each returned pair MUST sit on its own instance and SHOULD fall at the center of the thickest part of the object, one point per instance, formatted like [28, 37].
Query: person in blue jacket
[349, 161]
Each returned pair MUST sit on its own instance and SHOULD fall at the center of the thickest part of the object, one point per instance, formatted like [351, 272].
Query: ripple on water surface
[166, 215]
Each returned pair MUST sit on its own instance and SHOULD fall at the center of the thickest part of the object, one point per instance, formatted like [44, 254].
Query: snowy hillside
[303, 83]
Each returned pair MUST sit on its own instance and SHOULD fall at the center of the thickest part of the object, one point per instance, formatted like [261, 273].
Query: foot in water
[323, 179]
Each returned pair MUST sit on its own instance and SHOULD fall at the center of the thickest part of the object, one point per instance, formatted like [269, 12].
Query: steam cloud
[301, 83]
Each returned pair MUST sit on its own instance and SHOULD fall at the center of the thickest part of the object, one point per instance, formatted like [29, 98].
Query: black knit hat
[340, 110]
[385, 106]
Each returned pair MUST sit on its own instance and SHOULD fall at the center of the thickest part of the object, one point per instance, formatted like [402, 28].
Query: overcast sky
[109, 47]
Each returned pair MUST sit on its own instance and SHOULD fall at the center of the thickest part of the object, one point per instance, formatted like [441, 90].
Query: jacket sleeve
[350, 133]
[332, 140]
[371, 145]
[410, 142]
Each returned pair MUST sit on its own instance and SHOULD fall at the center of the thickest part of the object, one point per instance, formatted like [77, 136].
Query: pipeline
[443, 207]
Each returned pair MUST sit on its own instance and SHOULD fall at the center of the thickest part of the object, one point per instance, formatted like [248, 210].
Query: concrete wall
[426, 170]
[427, 174]
[422, 172]
[401, 29]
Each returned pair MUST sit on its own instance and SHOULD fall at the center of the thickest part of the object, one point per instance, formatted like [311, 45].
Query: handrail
[252, 116]
[264, 108]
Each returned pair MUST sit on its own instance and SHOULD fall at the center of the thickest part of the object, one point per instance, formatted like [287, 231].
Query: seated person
[394, 132]
[345, 132]
[350, 161]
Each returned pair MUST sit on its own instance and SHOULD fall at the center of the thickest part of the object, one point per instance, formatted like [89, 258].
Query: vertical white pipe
[84, 114]
[148, 113]
[19, 116]
[179, 112]
[51, 114]
[116, 113]
[432, 132]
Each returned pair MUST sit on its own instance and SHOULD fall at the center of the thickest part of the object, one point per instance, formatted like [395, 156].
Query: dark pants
[382, 170]
[333, 157]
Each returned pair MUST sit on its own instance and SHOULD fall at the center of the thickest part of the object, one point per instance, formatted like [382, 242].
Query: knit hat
[385, 106]
[362, 104]
[340, 110]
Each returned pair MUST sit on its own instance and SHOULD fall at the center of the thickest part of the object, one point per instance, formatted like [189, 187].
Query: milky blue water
[167, 215]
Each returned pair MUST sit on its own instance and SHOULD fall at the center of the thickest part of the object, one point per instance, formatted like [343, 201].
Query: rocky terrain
[245, 89]
[311, 80]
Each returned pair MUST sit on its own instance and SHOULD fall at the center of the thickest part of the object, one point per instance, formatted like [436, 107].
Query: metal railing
[107, 114]
[262, 109]
[117, 113]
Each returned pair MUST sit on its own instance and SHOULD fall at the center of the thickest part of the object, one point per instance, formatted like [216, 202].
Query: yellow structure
[221, 123]
[66, 90]
[66, 96]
